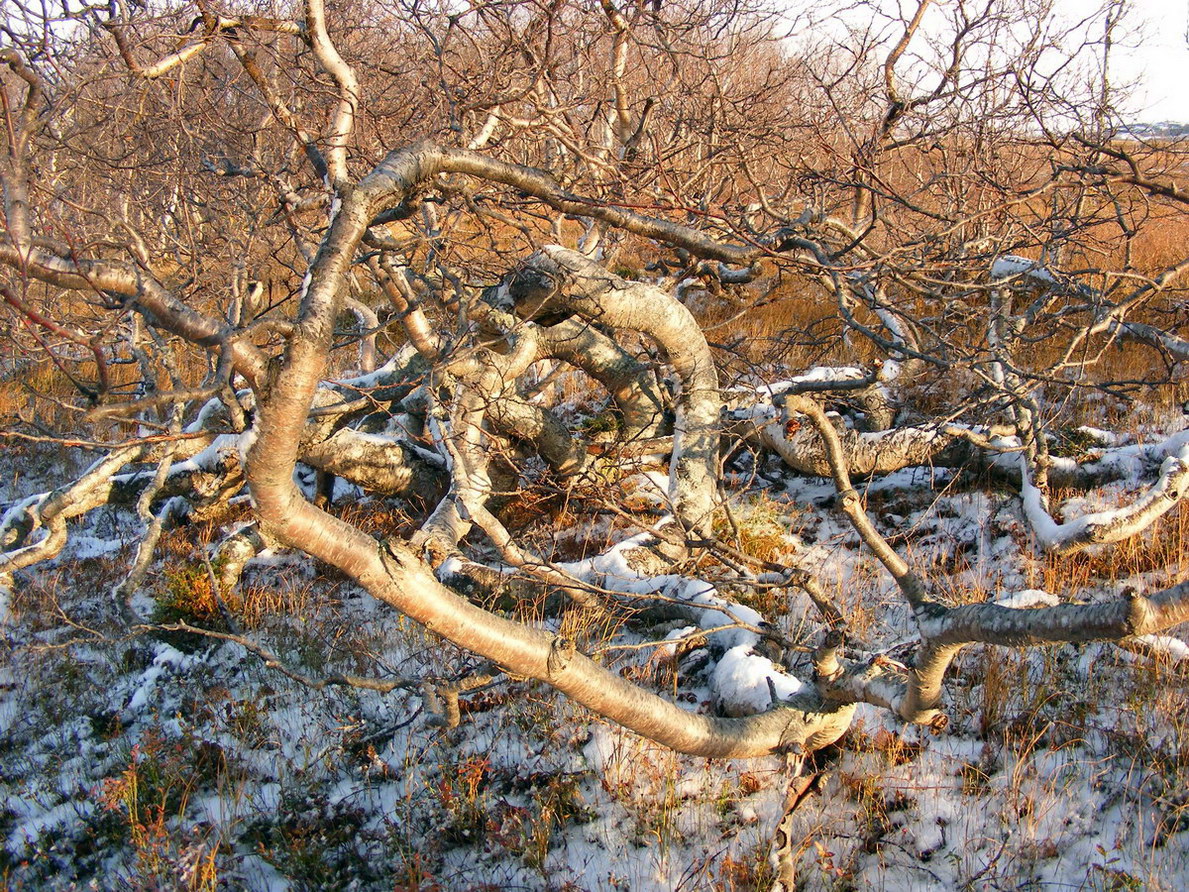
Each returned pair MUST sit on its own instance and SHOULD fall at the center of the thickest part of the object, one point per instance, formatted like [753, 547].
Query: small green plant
[188, 596]
[557, 803]
[975, 781]
[1075, 442]
[155, 788]
[603, 422]
[461, 792]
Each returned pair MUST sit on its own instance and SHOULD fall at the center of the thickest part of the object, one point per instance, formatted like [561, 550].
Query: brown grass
[1161, 549]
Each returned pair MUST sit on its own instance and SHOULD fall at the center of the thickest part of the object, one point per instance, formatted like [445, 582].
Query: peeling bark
[867, 454]
[378, 463]
[1110, 526]
[555, 278]
[472, 390]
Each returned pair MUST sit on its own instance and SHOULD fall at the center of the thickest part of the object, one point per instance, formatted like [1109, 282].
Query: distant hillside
[1160, 130]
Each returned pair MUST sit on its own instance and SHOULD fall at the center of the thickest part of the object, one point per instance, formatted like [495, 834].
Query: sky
[1156, 57]
[1149, 60]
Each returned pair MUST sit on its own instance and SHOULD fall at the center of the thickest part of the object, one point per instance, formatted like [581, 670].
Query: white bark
[632, 385]
[378, 463]
[397, 576]
[369, 323]
[52, 511]
[1104, 527]
[915, 692]
[343, 124]
[556, 278]
[867, 454]
[1177, 348]
[564, 281]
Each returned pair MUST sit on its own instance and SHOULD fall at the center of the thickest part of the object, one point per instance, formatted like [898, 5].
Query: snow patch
[1166, 646]
[167, 658]
[1010, 265]
[741, 680]
[1031, 597]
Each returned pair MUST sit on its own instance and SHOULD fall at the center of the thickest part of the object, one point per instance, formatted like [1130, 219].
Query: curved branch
[397, 576]
[404, 582]
[542, 186]
[140, 291]
[556, 277]
[52, 511]
[632, 384]
[348, 90]
[1105, 527]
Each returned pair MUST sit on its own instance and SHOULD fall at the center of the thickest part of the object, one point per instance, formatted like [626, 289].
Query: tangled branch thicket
[505, 312]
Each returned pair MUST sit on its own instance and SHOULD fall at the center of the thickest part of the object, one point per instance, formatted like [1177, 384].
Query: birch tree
[362, 241]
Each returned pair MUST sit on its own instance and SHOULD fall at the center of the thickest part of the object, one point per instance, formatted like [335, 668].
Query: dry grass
[760, 527]
[1021, 706]
[1160, 550]
[152, 793]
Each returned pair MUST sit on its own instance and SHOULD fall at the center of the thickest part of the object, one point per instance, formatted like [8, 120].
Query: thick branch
[556, 278]
[401, 579]
[142, 292]
[1107, 526]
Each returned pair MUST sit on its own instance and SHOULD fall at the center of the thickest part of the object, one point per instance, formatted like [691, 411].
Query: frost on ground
[171, 760]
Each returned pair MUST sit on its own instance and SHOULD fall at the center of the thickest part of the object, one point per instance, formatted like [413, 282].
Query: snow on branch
[1011, 266]
[1105, 527]
[743, 681]
[1177, 348]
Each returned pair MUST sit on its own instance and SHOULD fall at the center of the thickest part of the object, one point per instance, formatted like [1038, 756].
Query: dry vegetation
[282, 270]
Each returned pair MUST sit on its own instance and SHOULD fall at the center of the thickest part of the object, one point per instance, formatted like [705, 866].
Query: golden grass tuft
[1161, 549]
[760, 527]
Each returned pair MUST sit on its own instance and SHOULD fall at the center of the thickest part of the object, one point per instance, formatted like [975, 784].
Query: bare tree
[462, 206]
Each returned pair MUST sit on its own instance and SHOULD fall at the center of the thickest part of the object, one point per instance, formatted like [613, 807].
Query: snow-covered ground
[166, 760]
